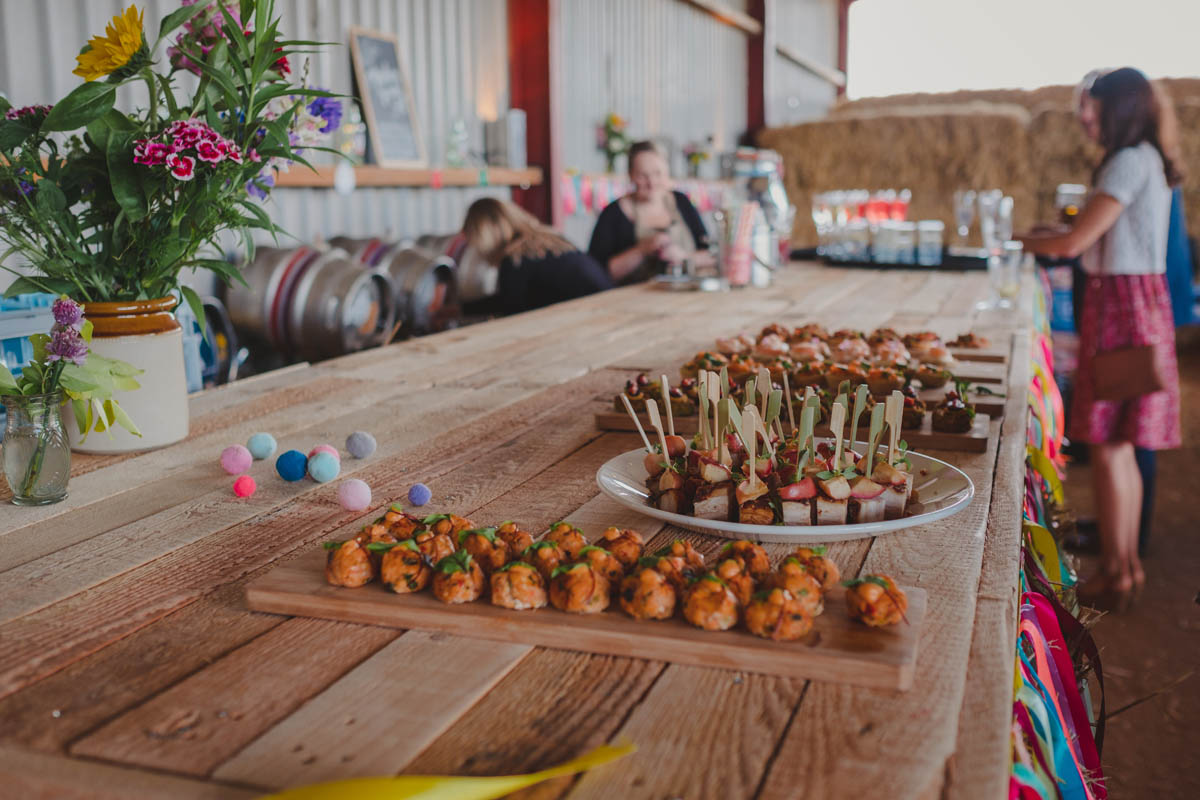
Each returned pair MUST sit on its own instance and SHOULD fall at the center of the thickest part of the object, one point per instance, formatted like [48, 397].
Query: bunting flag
[587, 195]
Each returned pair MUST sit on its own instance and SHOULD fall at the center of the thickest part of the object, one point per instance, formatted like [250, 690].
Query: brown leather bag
[1125, 373]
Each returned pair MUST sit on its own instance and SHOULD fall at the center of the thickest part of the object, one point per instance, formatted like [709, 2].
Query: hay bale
[933, 154]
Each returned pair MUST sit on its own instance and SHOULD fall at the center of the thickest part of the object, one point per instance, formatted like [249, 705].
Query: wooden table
[130, 668]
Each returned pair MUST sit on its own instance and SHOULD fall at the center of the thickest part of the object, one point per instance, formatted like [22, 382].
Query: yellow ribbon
[438, 787]
[1045, 467]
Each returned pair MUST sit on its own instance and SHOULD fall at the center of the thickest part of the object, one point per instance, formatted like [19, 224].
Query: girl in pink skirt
[1122, 237]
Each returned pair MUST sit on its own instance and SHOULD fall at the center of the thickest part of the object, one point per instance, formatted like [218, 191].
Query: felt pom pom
[354, 494]
[235, 459]
[325, 448]
[244, 486]
[360, 444]
[292, 465]
[323, 467]
[261, 445]
[419, 494]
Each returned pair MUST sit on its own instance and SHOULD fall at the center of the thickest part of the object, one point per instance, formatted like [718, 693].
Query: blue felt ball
[261, 445]
[323, 467]
[360, 444]
[292, 465]
[419, 494]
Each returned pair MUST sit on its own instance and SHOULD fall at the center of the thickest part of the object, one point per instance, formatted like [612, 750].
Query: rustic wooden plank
[202, 721]
[37, 776]
[407, 694]
[839, 649]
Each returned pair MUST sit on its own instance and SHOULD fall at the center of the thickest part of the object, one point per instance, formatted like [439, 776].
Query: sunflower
[106, 54]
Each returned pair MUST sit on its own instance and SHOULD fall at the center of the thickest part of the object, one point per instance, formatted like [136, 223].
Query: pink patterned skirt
[1127, 311]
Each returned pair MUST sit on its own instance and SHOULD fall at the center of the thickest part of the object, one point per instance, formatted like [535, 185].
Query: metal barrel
[256, 308]
[477, 278]
[337, 307]
[426, 289]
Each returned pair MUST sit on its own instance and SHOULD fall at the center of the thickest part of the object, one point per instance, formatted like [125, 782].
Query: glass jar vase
[37, 456]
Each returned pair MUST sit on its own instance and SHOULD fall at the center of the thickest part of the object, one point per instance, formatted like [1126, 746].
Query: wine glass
[964, 212]
[989, 207]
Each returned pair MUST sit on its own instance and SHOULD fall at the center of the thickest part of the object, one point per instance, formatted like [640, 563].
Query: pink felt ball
[244, 486]
[354, 495]
[235, 459]
[325, 448]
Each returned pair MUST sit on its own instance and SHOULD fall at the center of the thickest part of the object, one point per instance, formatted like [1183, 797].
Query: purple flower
[67, 313]
[260, 185]
[66, 344]
[327, 109]
[36, 113]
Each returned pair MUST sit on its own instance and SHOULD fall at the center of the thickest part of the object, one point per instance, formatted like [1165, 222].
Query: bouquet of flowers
[696, 154]
[613, 139]
[62, 362]
[108, 205]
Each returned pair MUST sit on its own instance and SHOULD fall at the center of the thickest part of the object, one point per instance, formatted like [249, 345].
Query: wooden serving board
[990, 404]
[981, 371]
[989, 354]
[919, 439]
[838, 650]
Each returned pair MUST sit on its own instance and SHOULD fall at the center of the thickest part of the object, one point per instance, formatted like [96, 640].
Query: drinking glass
[964, 213]
[1004, 277]
[989, 206]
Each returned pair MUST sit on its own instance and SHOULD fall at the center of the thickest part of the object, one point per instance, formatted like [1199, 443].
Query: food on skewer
[488, 549]
[710, 604]
[569, 539]
[457, 578]
[705, 360]
[625, 545]
[867, 501]
[795, 576]
[518, 586]
[405, 568]
[777, 615]
[579, 589]
[969, 341]
[514, 536]
[647, 593]
[833, 497]
[546, 556]
[733, 573]
[932, 376]
[954, 414]
[349, 564]
[875, 600]
[751, 555]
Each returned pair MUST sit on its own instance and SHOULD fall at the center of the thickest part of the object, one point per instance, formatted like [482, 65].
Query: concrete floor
[1153, 749]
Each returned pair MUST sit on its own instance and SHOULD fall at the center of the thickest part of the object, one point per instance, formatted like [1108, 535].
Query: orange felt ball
[244, 486]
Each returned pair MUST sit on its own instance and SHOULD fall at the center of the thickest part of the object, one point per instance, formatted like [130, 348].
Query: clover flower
[67, 313]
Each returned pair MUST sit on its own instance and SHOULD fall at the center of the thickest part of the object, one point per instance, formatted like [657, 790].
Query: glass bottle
[37, 457]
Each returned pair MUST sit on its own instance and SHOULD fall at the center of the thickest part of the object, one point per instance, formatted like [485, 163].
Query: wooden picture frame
[382, 85]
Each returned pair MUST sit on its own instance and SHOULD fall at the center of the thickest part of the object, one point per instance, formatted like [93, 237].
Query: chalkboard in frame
[382, 85]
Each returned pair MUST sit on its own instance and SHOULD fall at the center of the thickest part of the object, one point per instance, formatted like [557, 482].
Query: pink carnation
[207, 151]
[150, 153]
[182, 167]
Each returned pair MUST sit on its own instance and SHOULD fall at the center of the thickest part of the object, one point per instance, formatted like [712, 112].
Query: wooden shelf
[430, 178]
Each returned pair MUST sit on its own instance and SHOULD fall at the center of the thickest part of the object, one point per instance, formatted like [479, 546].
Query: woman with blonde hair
[537, 266]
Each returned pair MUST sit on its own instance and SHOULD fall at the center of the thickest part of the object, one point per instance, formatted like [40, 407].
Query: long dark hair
[1131, 112]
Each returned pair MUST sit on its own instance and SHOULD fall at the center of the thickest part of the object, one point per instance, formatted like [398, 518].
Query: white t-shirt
[1136, 244]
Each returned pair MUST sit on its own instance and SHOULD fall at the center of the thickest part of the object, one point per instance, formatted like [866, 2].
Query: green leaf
[176, 18]
[14, 132]
[85, 103]
[195, 304]
[4, 105]
[125, 176]
[32, 285]
[8, 384]
[50, 200]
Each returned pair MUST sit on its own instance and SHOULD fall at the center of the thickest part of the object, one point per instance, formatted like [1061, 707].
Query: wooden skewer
[877, 417]
[763, 382]
[749, 442]
[666, 396]
[837, 422]
[860, 405]
[633, 415]
[787, 398]
[761, 430]
[656, 423]
[895, 423]
[714, 400]
[702, 398]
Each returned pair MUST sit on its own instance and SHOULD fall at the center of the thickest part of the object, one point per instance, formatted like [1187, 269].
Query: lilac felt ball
[235, 459]
[354, 495]
[323, 467]
[419, 494]
[360, 444]
[325, 448]
[244, 486]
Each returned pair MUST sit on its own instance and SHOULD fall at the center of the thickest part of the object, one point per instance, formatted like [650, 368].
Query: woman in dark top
[639, 234]
[537, 266]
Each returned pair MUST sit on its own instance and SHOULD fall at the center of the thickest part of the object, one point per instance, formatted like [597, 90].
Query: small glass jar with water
[906, 242]
[37, 456]
[930, 235]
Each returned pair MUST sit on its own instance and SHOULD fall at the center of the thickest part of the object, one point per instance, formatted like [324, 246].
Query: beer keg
[426, 289]
[256, 308]
[477, 278]
[337, 307]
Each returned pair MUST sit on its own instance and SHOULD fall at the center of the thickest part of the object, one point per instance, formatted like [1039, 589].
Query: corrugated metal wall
[455, 51]
[808, 27]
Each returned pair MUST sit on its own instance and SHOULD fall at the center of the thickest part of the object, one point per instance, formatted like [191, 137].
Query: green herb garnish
[487, 533]
[589, 548]
[563, 569]
[533, 548]
[458, 561]
[399, 509]
[875, 579]
[434, 519]
[512, 564]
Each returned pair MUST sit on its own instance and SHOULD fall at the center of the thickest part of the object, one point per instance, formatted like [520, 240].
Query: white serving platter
[941, 490]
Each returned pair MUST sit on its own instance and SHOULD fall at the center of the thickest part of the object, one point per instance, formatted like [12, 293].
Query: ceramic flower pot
[145, 334]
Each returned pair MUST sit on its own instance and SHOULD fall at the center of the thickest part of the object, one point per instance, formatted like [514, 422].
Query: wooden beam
[376, 176]
[833, 76]
[729, 15]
